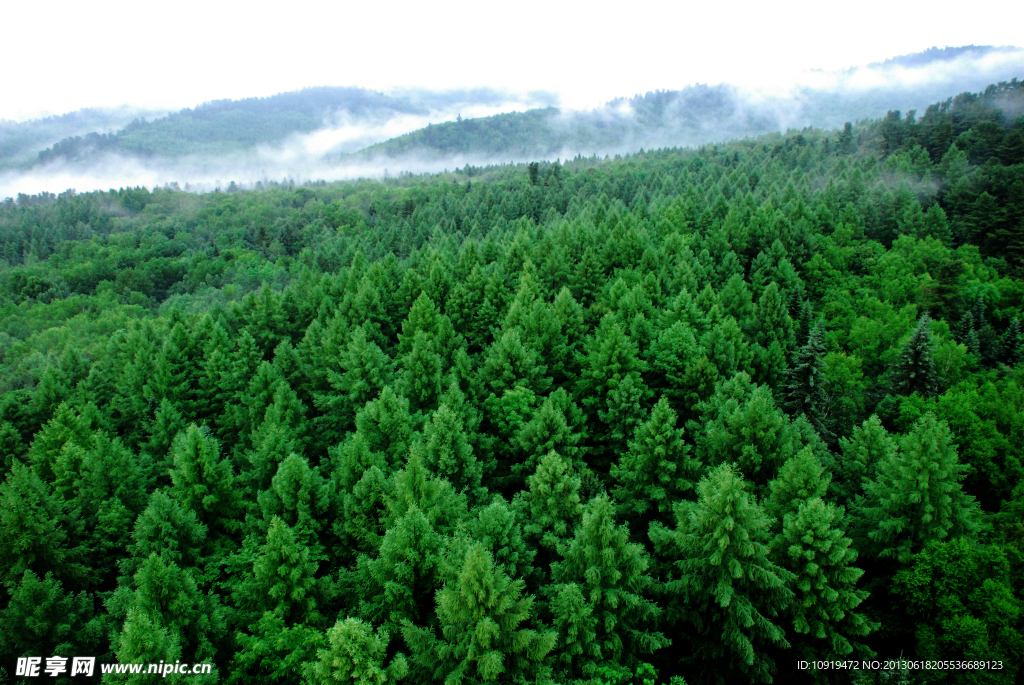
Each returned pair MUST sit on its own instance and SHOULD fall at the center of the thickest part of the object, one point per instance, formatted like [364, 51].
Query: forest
[687, 416]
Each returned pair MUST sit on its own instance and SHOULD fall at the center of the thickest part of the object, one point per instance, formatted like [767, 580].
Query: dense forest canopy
[688, 415]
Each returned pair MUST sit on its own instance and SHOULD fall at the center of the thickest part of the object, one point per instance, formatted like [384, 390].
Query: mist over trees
[683, 416]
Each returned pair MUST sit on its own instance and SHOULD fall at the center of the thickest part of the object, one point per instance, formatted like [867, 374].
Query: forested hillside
[687, 416]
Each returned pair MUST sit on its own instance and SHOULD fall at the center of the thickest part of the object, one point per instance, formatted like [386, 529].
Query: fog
[695, 115]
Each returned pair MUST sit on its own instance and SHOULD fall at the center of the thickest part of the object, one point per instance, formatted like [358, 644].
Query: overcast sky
[61, 56]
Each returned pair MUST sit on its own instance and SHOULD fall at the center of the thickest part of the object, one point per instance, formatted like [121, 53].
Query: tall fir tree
[725, 595]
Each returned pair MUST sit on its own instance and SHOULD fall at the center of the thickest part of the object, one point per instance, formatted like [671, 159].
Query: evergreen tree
[657, 471]
[801, 479]
[42, 618]
[613, 576]
[805, 392]
[551, 505]
[725, 593]
[447, 453]
[355, 653]
[914, 370]
[916, 495]
[742, 425]
[482, 639]
[868, 446]
[204, 483]
[33, 529]
[813, 548]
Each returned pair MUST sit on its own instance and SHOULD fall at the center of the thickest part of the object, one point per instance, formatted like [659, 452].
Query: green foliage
[916, 495]
[812, 547]
[228, 419]
[961, 596]
[482, 637]
[725, 593]
[355, 654]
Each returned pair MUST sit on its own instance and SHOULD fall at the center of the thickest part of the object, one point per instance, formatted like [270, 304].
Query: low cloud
[693, 116]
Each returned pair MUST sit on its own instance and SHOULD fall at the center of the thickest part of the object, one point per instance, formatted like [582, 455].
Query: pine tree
[916, 495]
[1010, 343]
[422, 369]
[725, 593]
[482, 639]
[613, 575]
[170, 597]
[355, 653]
[497, 527]
[360, 488]
[557, 425]
[274, 652]
[283, 579]
[42, 618]
[167, 423]
[914, 370]
[813, 548]
[166, 529]
[772, 320]
[805, 392]
[656, 472]
[299, 496]
[365, 372]
[387, 427]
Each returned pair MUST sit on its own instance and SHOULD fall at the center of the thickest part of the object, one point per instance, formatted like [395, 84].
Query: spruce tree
[387, 426]
[657, 470]
[481, 615]
[205, 483]
[32, 529]
[283, 579]
[168, 530]
[448, 454]
[916, 496]
[740, 424]
[42, 618]
[725, 595]
[557, 425]
[551, 505]
[805, 392]
[914, 370]
[299, 496]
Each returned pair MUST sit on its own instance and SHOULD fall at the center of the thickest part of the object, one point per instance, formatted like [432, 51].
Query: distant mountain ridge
[335, 132]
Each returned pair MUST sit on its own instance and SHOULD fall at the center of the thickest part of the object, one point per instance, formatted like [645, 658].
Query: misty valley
[743, 406]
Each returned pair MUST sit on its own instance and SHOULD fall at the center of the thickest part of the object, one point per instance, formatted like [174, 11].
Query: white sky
[62, 56]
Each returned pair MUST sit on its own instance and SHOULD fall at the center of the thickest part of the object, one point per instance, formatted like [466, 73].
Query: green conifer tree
[613, 575]
[868, 446]
[801, 478]
[657, 470]
[916, 495]
[805, 392]
[482, 638]
[914, 370]
[355, 653]
[814, 549]
[205, 483]
[725, 593]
